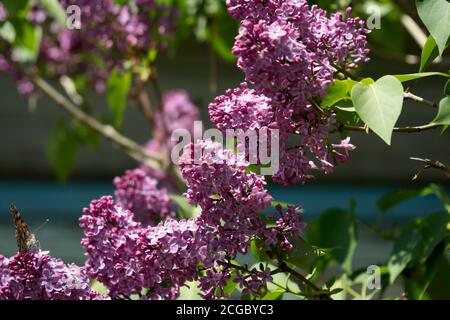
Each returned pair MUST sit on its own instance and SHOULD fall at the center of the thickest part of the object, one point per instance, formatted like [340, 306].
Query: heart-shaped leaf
[435, 14]
[379, 105]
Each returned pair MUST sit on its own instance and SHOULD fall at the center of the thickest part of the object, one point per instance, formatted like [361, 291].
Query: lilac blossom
[130, 259]
[38, 276]
[110, 35]
[139, 193]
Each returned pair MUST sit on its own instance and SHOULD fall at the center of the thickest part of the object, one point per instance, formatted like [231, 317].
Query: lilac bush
[147, 241]
[112, 34]
[135, 243]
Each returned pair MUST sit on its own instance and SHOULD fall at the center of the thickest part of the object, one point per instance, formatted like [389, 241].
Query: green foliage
[417, 241]
[379, 105]
[117, 88]
[17, 8]
[208, 21]
[55, 10]
[303, 255]
[335, 231]
[338, 91]
[394, 198]
[415, 76]
[447, 88]
[435, 14]
[186, 210]
[7, 31]
[27, 40]
[443, 116]
[430, 52]
[64, 143]
[62, 148]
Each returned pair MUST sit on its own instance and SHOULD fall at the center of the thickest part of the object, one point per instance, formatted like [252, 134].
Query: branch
[144, 101]
[431, 164]
[157, 89]
[413, 97]
[430, 126]
[414, 30]
[132, 148]
[323, 295]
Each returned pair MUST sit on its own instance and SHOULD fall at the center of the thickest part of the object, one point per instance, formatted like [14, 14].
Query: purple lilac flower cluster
[130, 259]
[229, 198]
[139, 193]
[38, 276]
[289, 51]
[110, 35]
[153, 262]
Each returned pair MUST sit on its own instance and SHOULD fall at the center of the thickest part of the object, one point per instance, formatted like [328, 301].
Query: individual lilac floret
[38, 276]
[139, 193]
[241, 108]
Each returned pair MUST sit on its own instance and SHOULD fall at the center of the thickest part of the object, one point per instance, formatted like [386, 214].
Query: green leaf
[190, 291]
[417, 242]
[117, 88]
[442, 194]
[302, 255]
[392, 199]
[435, 14]
[62, 148]
[7, 31]
[443, 116]
[222, 48]
[258, 250]
[407, 248]
[379, 105]
[335, 230]
[55, 10]
[337, 91]
[17, 8]
[414, 76]
[99, 287]
[186, 210]
[434, 230]
[447, 88]
[276, 294]
[430, 52]
[27, 41]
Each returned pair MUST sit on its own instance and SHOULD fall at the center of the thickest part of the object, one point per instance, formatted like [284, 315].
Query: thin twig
[157, 89]
[132, 148]
[430, 126]
[431, 164]
[413, 97]
[144, 101]
[321, 294]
